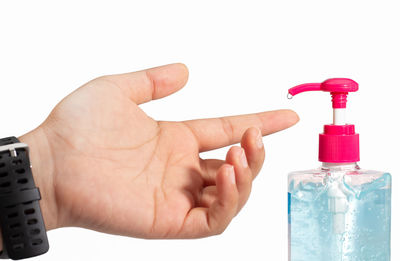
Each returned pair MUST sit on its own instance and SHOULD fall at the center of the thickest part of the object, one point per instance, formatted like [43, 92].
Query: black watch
[21, 220]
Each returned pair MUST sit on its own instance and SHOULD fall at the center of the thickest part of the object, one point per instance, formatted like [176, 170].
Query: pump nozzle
[338, 87]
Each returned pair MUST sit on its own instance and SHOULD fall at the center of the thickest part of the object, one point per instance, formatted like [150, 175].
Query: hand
[103, 164]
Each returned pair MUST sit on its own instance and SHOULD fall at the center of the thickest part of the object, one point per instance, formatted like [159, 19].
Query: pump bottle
[338, 212]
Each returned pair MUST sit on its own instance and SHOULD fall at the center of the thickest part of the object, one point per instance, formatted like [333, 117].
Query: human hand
[102, 163]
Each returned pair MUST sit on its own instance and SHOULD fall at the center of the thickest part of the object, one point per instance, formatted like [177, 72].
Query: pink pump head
[338, 87]
[339, 143]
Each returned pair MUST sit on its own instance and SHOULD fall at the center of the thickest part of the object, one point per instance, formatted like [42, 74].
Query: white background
[242, 56]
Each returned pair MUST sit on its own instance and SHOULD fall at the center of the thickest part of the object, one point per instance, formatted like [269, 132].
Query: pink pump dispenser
[338, 143]
[338, 211]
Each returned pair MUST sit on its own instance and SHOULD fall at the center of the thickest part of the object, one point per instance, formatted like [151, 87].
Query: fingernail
[231, 174]
[243, 159]
[259, 141]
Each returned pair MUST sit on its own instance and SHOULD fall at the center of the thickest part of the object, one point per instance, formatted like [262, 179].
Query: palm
[121, 172]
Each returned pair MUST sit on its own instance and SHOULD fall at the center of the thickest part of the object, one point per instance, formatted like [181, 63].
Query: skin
[101, 163]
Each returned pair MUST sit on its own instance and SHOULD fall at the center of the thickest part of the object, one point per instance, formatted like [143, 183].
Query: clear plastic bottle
[338, 212]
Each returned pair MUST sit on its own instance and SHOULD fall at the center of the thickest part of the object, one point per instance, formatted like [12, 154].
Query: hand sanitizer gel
[338, 212]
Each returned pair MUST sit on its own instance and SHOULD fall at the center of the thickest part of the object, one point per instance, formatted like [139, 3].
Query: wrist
[42, 163]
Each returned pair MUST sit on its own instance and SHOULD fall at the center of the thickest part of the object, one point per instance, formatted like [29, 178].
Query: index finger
[215, 133]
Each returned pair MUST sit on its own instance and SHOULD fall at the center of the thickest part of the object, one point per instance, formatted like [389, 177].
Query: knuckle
[227, 127]
[221, 230]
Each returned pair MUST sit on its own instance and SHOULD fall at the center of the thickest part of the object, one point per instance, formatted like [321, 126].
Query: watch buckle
[12, 148]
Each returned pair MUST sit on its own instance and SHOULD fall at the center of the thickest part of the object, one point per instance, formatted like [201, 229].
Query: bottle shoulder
[352, 177]
[324, 171]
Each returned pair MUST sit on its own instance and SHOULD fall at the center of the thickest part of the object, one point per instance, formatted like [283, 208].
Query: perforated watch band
[21, 221]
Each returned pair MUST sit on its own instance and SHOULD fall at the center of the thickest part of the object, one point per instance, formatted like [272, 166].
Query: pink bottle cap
[338, 143]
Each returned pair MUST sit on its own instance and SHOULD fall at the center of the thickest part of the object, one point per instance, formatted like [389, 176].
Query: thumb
[151, 84]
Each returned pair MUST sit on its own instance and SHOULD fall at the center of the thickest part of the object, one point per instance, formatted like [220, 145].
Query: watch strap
[21, 220]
